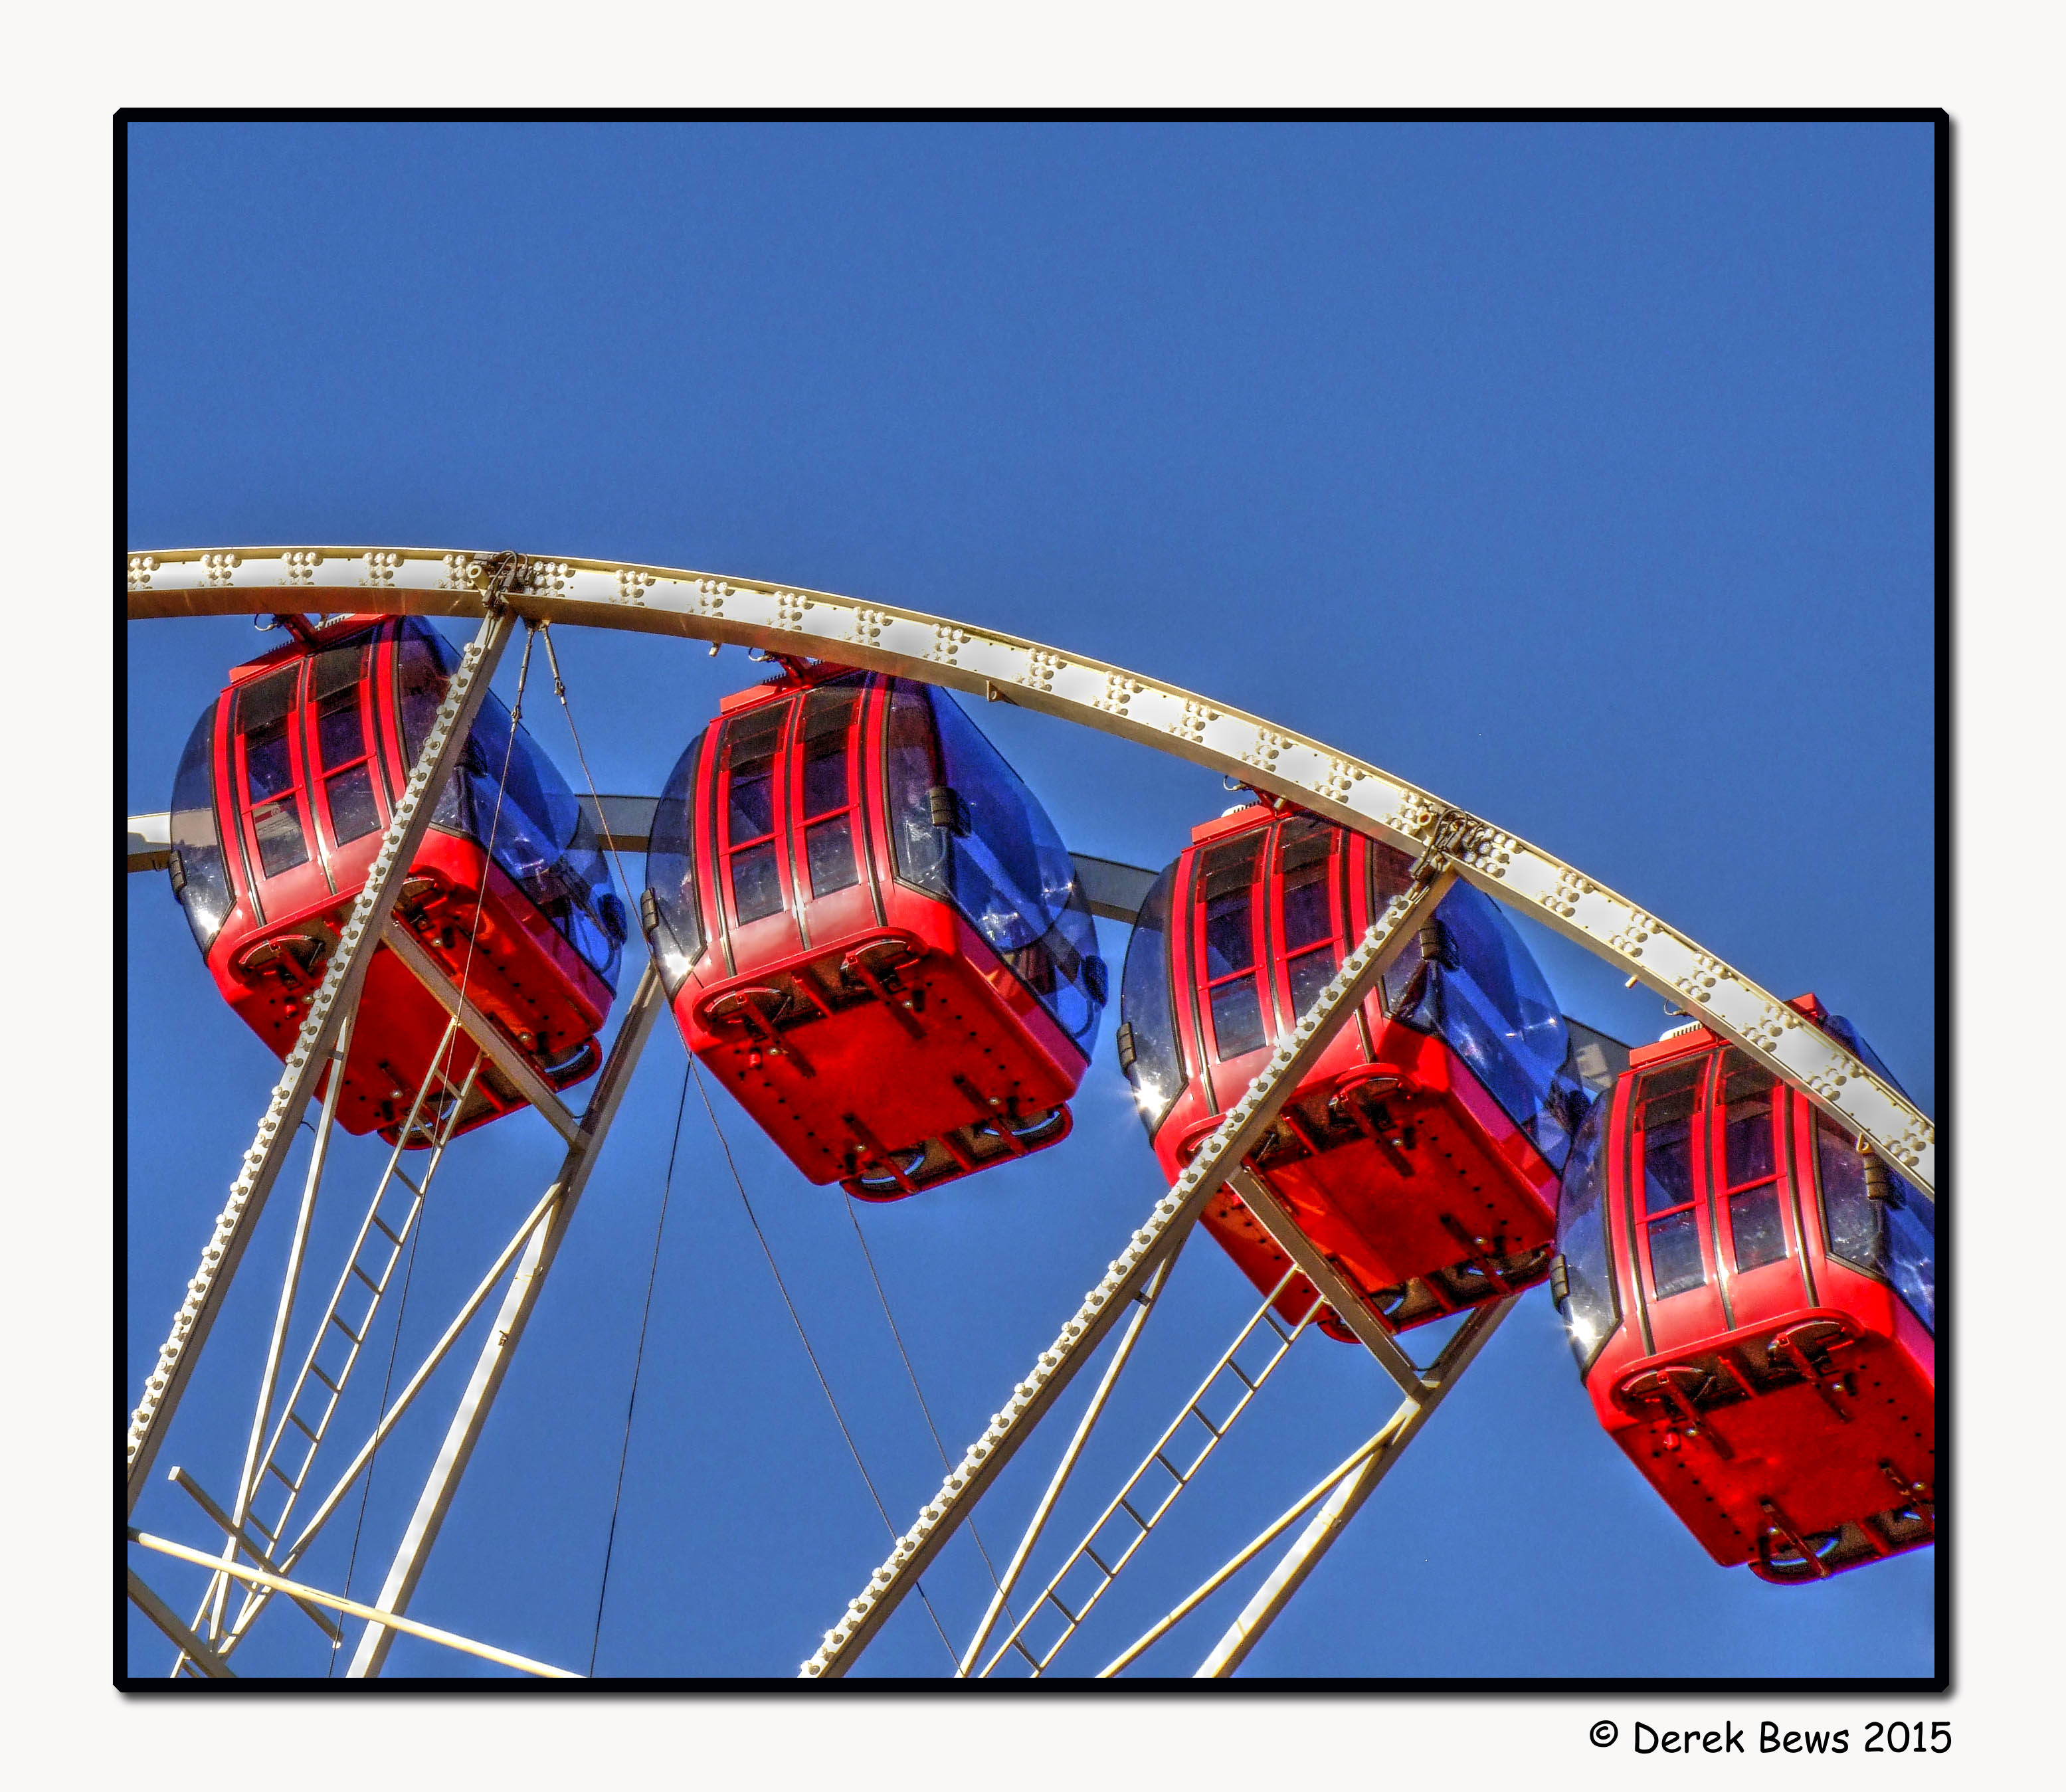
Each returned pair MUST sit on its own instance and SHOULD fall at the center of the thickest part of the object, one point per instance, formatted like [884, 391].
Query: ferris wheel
[1357, 1082]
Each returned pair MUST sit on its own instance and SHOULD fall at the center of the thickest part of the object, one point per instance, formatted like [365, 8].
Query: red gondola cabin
[1421, 1153]
[287, 783]
[871, 933]
[1752, 1303]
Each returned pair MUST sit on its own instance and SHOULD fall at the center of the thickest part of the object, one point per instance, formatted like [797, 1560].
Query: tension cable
[638, 1363]
[796, 1319]
[451, 1118]
[868, 1257]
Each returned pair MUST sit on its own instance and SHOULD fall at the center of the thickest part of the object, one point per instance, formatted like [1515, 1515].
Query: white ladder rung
[1181, 1476]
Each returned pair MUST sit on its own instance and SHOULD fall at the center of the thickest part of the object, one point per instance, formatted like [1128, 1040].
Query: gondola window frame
[275, 697]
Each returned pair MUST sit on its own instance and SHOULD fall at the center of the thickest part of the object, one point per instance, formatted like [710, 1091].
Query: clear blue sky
[1583, 474]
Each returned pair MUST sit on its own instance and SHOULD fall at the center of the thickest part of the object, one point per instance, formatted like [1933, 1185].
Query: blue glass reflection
[678, 942]
[542, 837]
[1148, 1010]
[1911, 1248]
[1908, 1243]
[537, 832]
[1488, 1001]
[1008, 872]
[201, 878]
[1588, 1308]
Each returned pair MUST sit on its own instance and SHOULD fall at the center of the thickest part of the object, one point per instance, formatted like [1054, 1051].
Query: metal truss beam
[507, 1331]
[396, 1409]
[290, 1284]
[371, 1286]
[304, 1064]
[1349, 1305]
[1144, 1306]
[1278, 761]
[1243, 1128]
[191, 1648]
[1179, 1478]
[240, 1538]
[1349, 1494]
[501, 1050]
[298, 1592]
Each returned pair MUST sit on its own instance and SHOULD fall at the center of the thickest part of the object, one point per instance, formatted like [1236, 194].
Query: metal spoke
[289, 1285]
[1347, 1499]
[327, 1008]
[504, 1052]
[397, 1408]
[508, 1329]
[1181, 1478]
[1145, 1305]
[194, 582]
[351, 1609]
[1345, 1300]
[1238, 1133]
[354, 1280]
[242, 1538]
[191, 1648]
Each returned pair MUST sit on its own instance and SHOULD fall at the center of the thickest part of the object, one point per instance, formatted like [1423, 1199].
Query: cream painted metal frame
[704, 606]
[1447, 844]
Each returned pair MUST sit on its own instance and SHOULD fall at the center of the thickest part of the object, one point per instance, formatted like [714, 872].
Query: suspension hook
[296, 624]
[1276, 805]
[498, 575]
[1451, 828]
[796, 665]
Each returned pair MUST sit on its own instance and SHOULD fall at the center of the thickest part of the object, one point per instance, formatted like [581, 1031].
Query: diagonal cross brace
[501, 1050]
[1244, 1128]
[1349, 1494]
[332, 1001]
[1334, 1288]
[540, 1250]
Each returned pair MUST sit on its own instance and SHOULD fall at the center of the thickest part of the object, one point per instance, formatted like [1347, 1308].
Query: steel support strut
[1354, 1488]
[502, 1051]
[1255, 1546]
[1144, 1306]
[1124, 1548]
[1349, 1306]
[1244, 1128]
[397, 1409]
[1276, 760]
[333, 999]
[508, 1329]
[351, 1609]
[290, 1284]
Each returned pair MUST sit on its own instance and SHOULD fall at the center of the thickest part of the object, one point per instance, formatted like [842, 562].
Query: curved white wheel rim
[1280, 760]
